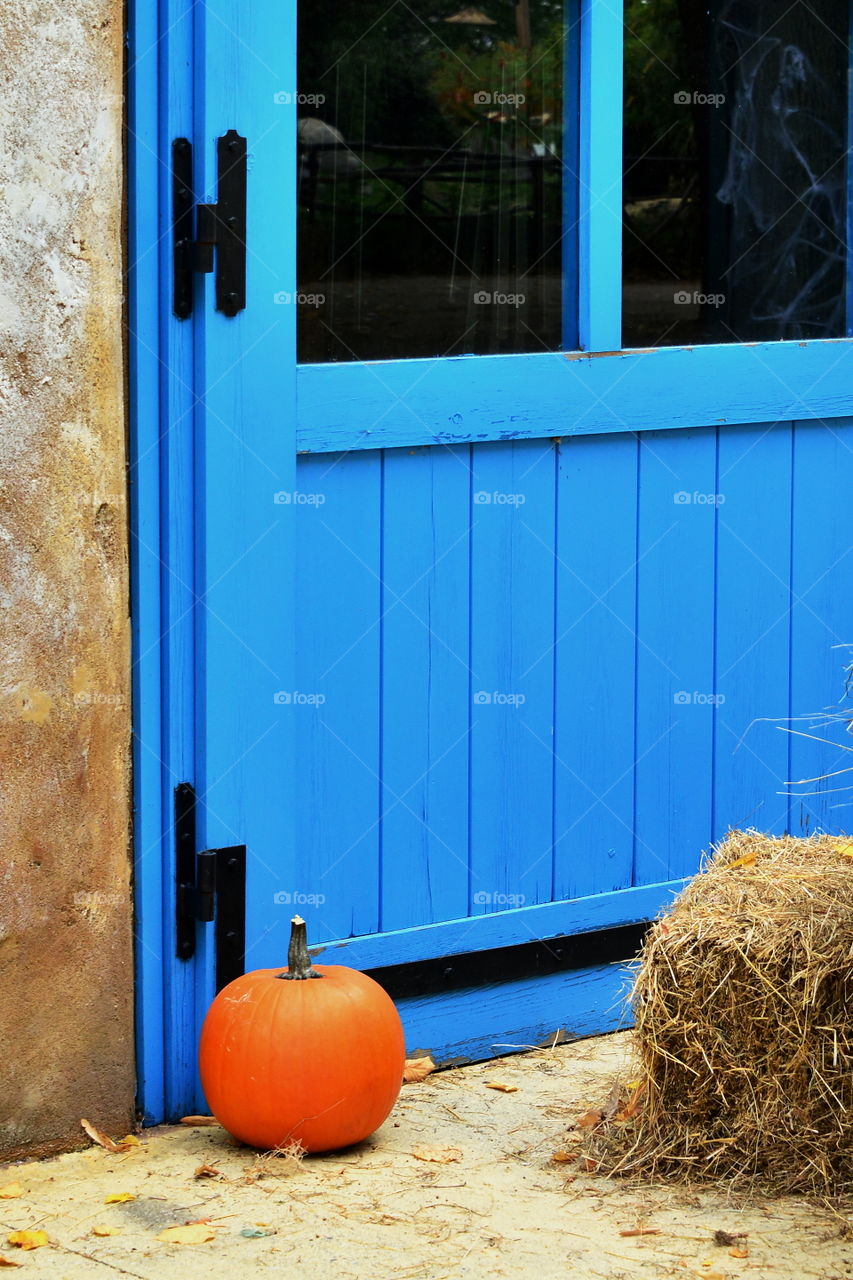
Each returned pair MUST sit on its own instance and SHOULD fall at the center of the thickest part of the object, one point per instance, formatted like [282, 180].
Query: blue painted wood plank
[571, 177]
[512, 675]
[509, 1017]
[515, 397]
[752, 628]
[675, 659]
[594, 665]
[504, 928]
[425, 686]
[245, 454]
[338, 656]
[600, 192]
[150, 874]
[821, 626]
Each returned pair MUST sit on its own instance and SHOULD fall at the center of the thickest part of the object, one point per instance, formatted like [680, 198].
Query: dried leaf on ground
[8, 1262]
[198, 1121]
[106, 1231]
[501, 1087]
[119, 1197]
[208, 1171]
[437, 1155]
[11, 1191]
[27, 1239]
[590, 1120]
[640, 1231]
[563, 1157]
[104, 1140]
[193, 1234]
[416, 1069]
[739, 1253]
[633, 1105]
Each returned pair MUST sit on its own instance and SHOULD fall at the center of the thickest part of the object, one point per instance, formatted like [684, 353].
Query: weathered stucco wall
[65, 908]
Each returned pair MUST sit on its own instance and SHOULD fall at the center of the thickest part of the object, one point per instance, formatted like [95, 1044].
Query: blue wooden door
[476, 654]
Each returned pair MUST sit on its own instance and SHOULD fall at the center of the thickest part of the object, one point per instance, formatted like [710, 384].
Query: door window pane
[735, 170]
[432, 163]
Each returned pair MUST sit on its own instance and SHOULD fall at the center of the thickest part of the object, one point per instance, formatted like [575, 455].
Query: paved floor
[498, 1205]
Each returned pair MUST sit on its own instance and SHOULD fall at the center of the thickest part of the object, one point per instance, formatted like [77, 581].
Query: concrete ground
[490, 1201]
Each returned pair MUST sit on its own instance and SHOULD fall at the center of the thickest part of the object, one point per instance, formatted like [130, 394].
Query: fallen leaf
[437, 1155]
[11, 1191]
[8, 1262]
[104, 1140]
[746, 861]
[589, 1166]
[501, 1087]
[846, 850]
[738, 1253]
[130, 1140]
[199, 1120]
[106, 1231]
[562, 1157]
[640, 1231]
[27, 1239]
[119, 1197]
[590, 1120]
[195, 1234]
[415, 1069]
[633, 1105]
[208, 1171]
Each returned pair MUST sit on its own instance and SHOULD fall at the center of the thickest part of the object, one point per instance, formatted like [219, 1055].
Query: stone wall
[66, 973]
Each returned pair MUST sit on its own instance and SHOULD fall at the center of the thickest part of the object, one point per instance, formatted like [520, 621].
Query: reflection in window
[735, 174]
[431, 171]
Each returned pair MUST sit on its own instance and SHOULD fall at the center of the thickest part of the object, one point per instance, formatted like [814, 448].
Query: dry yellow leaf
[106, 1231]
[27, 1239]
[738, 1253]
[199, 1120]
[11, 1191]
[563, 1157]
[120, 1197]
[7, 1262]
[846, 850]
[130, 1140]
[415, 1069]
[194, 1234]
[437, 1155]
[104, 1140]
[501, 1087]
[746, 861]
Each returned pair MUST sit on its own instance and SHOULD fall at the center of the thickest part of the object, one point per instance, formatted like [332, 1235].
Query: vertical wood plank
[594, 664]
[821, 625]
[337, 711]
[752, 628]
[512, 635]
[675, 652]
[425, 686]
[600, 195]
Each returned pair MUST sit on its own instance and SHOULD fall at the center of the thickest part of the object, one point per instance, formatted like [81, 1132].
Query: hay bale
[743, 1002]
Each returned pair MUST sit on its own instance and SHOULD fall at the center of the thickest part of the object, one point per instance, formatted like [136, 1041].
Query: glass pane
[735, 173]
[432, 148]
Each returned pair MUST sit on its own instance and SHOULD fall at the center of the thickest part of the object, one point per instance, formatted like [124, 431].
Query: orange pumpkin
[287, 1059]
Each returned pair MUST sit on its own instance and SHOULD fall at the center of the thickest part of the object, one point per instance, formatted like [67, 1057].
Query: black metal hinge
[210, 887]
[204, 233]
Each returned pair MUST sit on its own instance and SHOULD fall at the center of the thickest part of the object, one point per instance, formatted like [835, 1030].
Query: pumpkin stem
[299, 964]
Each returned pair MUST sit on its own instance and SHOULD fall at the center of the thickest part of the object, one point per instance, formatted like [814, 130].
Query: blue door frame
[219, 411]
